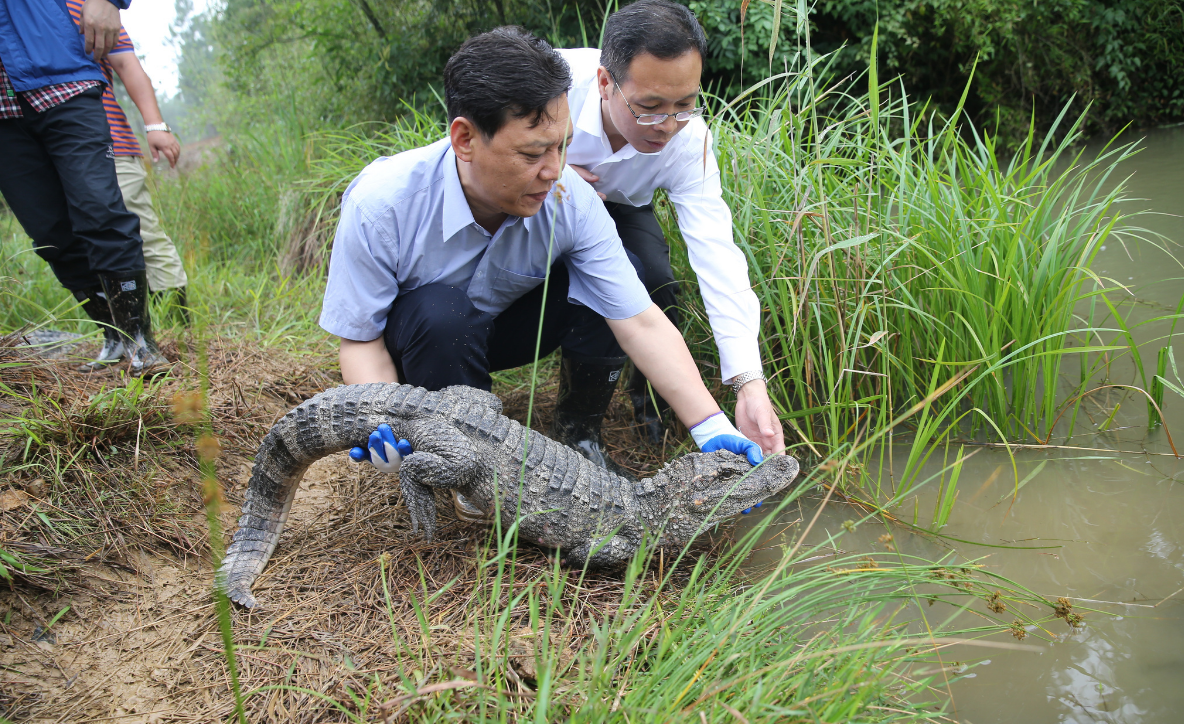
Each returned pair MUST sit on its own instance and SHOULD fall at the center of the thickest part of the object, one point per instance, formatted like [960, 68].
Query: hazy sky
[147, 22]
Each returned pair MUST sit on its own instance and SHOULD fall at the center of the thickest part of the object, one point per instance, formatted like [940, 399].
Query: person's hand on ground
[100, 24]
[757, 419]
[382, 450]
[589, 177]
[163, 142]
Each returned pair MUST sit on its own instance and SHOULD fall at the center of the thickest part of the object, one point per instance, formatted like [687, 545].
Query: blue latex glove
[736, 444]
[382, 450]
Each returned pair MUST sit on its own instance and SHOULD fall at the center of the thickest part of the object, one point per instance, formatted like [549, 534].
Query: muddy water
[1116, 519]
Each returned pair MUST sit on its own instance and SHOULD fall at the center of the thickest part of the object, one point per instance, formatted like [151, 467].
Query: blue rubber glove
[383, 451]
[718, 433]
[736, 444]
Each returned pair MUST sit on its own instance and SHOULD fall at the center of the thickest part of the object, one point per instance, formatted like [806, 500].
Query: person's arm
[757, 419]
[603, 279]
[362, 284]
[139, 88]
[363, 362]
[658, 350]
[732, 307]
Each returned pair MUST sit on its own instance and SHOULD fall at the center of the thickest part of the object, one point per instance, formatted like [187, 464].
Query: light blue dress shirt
[405, 223]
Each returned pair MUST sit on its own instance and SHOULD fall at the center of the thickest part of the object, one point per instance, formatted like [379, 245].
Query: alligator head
[700, 490]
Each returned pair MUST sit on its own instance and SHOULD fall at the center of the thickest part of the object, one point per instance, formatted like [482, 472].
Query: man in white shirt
[638, 128]
[446, 256]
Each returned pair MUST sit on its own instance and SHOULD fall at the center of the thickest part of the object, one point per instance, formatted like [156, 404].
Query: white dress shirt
[405, 223]
[693, 185]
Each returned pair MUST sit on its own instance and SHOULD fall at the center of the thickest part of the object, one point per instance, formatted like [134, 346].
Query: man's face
[513, 172]
[653, 85]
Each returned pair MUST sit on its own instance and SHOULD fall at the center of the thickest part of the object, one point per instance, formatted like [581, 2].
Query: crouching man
[446, 257]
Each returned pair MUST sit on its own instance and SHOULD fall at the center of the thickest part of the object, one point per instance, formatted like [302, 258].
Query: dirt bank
[119, 625]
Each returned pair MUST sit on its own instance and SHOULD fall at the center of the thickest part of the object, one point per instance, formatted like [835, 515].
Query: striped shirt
[123, 139]
[41, 99]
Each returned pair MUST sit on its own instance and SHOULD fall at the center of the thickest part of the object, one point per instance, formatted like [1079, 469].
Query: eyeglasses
[653, 119]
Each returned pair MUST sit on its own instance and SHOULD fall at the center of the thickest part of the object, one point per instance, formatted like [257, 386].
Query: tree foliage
[363, 59]
[1124, 59]
[354, 60]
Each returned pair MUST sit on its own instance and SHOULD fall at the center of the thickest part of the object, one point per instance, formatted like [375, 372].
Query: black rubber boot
[94, 303]
[648, 416]
[175, 302]
[585, 391]
[128, 296]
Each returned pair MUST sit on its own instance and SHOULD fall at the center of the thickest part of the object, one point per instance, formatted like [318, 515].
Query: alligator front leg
[609, 553]
[422, 471]
[442, 457]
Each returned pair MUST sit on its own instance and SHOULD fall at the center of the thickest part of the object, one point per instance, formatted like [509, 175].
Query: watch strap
[158, 127]
[744, 378]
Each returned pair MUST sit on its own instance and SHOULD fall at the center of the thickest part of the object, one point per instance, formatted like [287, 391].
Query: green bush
[1121, 59]
[1117, 61]
[348, 62]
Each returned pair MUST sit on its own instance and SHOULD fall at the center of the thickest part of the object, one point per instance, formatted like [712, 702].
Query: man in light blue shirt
[446, 256]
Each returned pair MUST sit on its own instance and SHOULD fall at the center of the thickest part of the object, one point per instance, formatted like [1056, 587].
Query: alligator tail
[330, 422]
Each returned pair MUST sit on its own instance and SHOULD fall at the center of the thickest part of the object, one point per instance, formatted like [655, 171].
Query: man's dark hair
[504, 71]
[662, 28]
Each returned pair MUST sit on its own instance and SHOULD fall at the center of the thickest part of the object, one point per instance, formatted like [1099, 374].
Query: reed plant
[892, 249]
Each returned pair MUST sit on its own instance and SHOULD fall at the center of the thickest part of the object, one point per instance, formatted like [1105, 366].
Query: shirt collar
[457, 214]
[592, 122]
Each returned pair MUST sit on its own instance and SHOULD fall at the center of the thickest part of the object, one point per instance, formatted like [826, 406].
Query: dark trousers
[437, 338]
[642, 236]
[58, 177]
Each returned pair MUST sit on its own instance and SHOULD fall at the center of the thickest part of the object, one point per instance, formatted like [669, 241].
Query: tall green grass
[710, 640]
[892, 249]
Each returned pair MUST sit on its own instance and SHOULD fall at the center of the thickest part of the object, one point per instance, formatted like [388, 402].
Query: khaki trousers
[161, 259]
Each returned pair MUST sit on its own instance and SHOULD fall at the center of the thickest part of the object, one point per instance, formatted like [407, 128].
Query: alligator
[461, 441]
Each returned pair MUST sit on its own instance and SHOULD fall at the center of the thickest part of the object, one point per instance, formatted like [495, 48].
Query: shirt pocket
[508, 286]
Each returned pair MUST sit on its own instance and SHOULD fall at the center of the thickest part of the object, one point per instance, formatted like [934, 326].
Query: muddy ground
[118, 624]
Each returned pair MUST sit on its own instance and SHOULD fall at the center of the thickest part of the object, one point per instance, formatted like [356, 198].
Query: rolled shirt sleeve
[706, 224]
[602, 277]
[362, 282]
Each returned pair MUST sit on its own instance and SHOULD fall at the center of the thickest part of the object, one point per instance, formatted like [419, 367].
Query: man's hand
[757, 419]
[164, 142]
[589, 177]
[382, 450]
[735, 444]
[100, 24]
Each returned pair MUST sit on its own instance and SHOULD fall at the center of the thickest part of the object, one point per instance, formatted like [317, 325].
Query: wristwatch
[744, 378]
[158, 127]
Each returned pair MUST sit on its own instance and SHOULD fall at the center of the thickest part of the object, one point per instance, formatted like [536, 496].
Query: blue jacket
[40, 45]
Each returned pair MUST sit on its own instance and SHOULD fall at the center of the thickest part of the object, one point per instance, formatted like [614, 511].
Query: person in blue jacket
[58, 175]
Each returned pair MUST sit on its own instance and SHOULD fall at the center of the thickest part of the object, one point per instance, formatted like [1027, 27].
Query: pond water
[1115, 511]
